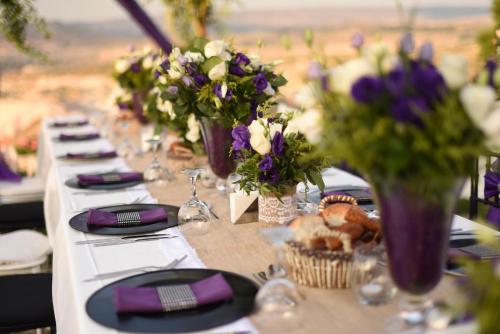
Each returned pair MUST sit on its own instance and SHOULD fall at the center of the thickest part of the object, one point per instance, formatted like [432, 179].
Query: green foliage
[483, 291]
[16, 17]
[134, 71]
[487, 37]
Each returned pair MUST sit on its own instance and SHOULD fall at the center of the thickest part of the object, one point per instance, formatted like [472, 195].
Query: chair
[474, 197]
[26, 303]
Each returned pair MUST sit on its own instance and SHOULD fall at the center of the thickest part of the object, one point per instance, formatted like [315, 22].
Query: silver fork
[112, 274]
[135, 201]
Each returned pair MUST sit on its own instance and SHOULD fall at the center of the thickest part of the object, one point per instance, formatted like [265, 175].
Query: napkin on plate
[96, 155]
[172, 297]
[83, 136]
[69, 123]
[6, 174]
[98, 217]
[92, 179]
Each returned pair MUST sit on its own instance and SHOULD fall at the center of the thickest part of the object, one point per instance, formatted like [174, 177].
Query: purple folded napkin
[97, 155]
[172, 297]
[6, 174]
[68, 124]
[123, 219]
[91, 179]
[84, 136]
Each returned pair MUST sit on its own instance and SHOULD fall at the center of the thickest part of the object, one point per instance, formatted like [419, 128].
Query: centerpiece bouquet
[134, 75]
[414, 130]
[272, 155]
[220, 86]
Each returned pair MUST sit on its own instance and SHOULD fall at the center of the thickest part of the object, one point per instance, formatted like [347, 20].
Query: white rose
[148, 62]
[162, 79]
[305, 97]
[310, 125]
[478, 102]
[255, 61]
[218, 71]
[256, 128]
[195, 57]
[121, 65]
[345, 75]
[215, 48]
[375, 53]
[454, 70]
[174, 74]
[260, 143]
[269, 90]
[293, 126]
[176, 52]
[275, 128]
[285, 110]
[193, 135]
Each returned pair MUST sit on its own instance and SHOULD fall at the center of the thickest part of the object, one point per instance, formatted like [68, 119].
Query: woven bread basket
[322, 268]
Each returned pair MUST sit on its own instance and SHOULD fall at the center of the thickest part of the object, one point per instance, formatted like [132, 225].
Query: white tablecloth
[74, 263]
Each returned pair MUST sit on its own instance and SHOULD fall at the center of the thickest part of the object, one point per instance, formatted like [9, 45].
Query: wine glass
[370, 280]
[278, 300]
[194, 215]
[304, 205]
[125, 150]
[154, 172]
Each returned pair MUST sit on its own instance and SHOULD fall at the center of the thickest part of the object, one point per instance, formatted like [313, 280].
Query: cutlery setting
[113, 274]
[128, 237]
[130, 241]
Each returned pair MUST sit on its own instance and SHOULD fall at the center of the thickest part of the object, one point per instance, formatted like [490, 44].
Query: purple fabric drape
[146, 24]
[492, 189]
[6, 174]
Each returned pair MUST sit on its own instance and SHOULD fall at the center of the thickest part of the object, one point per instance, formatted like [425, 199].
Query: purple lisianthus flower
[241, 59]
[217, 90]
[157, 74]
[236, 70]
[491, 67]
[426, 52]
[260, 82]
[395, 81]
[428, 82]
[165, 65]
[266, 164]
[272, 176]
[357, 40]
[172, 89]
[187, 80]
[191, 69]
[135, 67]
[278, 144]
[241, 138]
[367, 89]
[407, 44]
[200, 79]
[315, 70]
[408, 110]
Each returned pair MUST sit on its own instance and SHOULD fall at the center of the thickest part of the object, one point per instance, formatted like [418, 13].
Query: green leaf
[211, 63]
[316, 179]
[279, 81]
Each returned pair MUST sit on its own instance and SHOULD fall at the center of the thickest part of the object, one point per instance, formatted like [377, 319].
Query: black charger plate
[79, 222]
[73, 183]
[101, 309]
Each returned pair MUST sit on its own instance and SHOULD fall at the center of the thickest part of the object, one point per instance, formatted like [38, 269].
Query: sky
[72, 11]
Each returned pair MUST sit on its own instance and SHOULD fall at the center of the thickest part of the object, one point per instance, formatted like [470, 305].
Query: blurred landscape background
[87, 36]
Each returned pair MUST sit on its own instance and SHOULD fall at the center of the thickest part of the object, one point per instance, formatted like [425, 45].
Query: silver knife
[122, 242]
[97, 241]
[170, 265]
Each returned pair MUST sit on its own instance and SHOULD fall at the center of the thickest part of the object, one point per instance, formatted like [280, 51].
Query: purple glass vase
[416, 221]
[137, 107]
[217, 139]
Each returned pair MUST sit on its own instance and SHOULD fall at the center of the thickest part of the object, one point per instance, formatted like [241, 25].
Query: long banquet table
[237, 248]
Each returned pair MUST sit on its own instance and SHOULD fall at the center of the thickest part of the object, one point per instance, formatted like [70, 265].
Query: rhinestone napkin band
[176, 297]
[128, 218]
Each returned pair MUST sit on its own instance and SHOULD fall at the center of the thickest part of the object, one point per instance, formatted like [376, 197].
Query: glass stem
[193, 185]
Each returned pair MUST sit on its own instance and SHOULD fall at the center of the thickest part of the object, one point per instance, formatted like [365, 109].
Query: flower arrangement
[401, 116]
[135, 76]
[272, 156]
[184, 125]
[211, 79]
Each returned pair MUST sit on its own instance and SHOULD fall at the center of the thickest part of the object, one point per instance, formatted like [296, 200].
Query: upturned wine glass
[194, 215]
[125, 149]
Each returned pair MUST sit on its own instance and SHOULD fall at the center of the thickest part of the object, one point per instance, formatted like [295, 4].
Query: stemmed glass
[125, 150]
[304, 205]
[154, 172]
[194, 215]
[278, 300]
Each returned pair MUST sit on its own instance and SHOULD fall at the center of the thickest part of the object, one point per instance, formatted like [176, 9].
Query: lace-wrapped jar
[278, 210]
